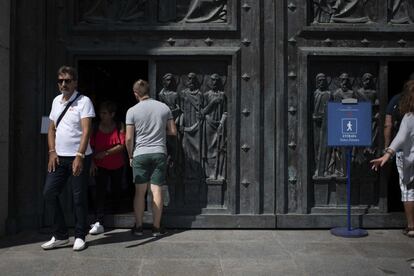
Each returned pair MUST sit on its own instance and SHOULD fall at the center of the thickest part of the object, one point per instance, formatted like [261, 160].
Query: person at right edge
[403, 147]
[149, 122]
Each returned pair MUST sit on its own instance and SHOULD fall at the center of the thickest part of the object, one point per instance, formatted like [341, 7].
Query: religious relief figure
[402, 11]
[323, 10]
[201, 11]
[169, 96]
[345, 90]
[321, 97]
[369, 93]
[190, 126]
[336, 164]
[192, 11]
[116, 11]
[214, 141]
[351, 11]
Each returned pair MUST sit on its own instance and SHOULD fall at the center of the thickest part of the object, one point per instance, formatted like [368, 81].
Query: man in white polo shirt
[69, 157]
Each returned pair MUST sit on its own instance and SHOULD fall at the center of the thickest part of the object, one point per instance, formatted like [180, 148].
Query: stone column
[4, 110]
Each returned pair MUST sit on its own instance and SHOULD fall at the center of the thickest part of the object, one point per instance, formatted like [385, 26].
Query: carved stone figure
[350, 11]
[169, 96]
[402, 11]
[321, 97]
[345, 90]
[336, 164]
[121, 11]
[201, 11]
[214, 138]
[322, 10]
[369, 93]
[190, 125]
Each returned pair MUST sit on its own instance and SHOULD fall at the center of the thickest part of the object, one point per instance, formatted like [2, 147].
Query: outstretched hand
[379, 162]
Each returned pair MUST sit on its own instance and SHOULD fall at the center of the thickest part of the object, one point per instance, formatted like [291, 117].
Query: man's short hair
[68, 70]
[141, 87]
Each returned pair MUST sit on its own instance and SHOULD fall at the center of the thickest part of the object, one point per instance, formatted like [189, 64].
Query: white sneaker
[53, 243]
[96, 229]
[79, 244]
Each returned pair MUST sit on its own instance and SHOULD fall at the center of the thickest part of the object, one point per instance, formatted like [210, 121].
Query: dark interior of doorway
[398, 73]
[112, 80]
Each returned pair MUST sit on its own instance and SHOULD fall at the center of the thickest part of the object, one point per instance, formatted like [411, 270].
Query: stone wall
[4, 110]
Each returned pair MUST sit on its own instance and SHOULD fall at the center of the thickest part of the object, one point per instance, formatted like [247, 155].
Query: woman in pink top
[108, 143]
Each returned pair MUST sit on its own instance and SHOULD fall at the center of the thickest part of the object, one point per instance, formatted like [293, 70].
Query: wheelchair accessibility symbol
[349, 126]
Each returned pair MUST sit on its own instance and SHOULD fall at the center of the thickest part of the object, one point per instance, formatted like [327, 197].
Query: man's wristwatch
[81, 155]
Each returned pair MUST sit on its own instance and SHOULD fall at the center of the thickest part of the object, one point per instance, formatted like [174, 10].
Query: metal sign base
[349, 233]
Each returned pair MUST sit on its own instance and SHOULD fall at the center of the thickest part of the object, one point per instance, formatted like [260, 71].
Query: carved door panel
[204, 60]
[197, 174]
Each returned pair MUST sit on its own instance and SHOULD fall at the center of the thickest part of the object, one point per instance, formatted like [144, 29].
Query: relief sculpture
[190, 125]
[322, 152]
[214, 139]
[198, 155]
[402, 11]
[351, 11]
[345, 90]
[329, 174]
[368, 93]
[323, 10]
[192, 11]
[364, 179]
[114, 11]
[343, 11]
[169, 96]
[337, 160]
[201, 11]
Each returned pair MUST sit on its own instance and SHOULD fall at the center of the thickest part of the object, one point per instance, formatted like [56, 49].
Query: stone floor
[213, 252]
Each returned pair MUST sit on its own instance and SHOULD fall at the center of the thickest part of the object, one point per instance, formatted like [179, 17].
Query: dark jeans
[102, 177]
[55, 182]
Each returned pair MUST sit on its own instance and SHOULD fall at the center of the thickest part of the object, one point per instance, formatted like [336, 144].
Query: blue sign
[349, 124]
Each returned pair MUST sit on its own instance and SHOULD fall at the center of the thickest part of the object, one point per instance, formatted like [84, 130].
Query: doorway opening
[398, 73]
[103, 80]
[112, 80]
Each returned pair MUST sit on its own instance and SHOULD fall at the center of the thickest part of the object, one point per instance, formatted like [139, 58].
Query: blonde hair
[141, 88]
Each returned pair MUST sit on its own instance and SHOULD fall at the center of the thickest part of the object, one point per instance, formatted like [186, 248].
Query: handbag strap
[66, 109]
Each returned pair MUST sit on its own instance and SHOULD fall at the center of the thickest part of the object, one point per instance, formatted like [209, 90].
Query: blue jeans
[55, 182]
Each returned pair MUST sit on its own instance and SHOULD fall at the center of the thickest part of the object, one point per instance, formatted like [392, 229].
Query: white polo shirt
[69, 130]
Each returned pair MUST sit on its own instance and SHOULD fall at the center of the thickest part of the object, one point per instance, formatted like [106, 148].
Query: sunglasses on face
[67, 81]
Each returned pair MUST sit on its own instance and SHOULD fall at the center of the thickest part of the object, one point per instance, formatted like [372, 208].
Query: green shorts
[149, 168]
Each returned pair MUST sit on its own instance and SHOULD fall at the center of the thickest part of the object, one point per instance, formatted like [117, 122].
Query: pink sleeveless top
[103, 141]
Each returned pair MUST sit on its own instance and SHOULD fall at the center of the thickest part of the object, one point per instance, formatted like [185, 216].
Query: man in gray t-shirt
[149, 121]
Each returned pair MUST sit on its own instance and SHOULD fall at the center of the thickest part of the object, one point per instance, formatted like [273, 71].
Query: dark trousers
[55, 182]
[102, 178]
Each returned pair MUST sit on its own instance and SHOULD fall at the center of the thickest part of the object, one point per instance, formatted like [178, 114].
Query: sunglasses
[67, 81]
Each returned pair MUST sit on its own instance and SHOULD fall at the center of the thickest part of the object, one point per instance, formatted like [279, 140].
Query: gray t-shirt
[150, 119]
